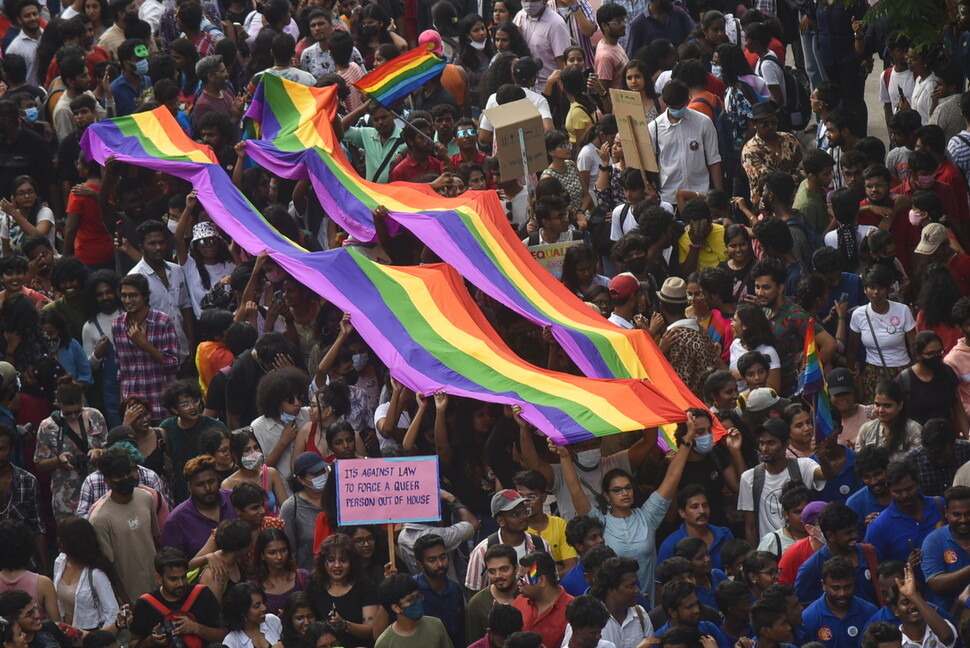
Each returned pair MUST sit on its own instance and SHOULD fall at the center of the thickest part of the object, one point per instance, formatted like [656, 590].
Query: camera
[175, 640]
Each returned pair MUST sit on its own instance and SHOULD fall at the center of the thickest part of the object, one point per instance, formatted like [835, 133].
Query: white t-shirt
[930, 639]
[897, 80]
[737, 351]
[540, 102]
[620, 226]
[272, 629]
[194, 282]
[10, 231]
[404, 421]
[923, 96]
[890, 328]
[589, 160]
[619, 321]
[861, 232]
[770, 514]
[773, 73]
[593, 481]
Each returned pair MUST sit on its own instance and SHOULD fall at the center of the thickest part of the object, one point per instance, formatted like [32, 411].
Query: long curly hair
[334, 546]
[938, 292]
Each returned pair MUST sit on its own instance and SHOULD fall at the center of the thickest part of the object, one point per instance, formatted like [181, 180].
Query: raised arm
[571, 477]
[668, 487]
[530, 456]
[446, 454]
[909, 589]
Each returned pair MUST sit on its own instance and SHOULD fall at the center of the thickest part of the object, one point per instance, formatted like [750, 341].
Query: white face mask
[477, 45]
[320, 481]
[252, 461]
[172, 225]
[589, 458]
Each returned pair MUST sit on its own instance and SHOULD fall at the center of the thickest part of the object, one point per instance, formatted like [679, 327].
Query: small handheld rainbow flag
[532, 576]
[811, 383]
[401, 76]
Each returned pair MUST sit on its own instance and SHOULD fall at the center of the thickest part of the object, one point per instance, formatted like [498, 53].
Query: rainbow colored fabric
[421, 321]
[402, 75]
[811, 384]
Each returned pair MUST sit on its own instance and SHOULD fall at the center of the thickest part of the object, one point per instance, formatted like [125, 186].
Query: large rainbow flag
[402, 75]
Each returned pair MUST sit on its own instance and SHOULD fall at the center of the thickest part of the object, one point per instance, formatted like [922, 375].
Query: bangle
[605, 167]
[695, 246]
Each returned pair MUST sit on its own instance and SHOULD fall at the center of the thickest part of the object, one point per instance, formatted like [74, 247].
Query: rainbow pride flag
[402, 75]
[421, 321]
[811, 385]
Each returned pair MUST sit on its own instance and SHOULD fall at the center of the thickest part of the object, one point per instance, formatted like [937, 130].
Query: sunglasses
[467, 132]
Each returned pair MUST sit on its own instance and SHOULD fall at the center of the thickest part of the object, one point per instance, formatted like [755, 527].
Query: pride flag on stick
[401, 76]
[811, 385]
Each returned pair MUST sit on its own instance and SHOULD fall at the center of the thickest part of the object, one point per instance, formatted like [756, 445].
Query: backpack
[797, 111]
[725, 135]
[758, 481]
[191, 641]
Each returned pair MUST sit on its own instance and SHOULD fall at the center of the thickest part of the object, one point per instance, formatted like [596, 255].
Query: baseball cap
[433, 37]
[812, 511]
[623, 285]
[526, 68]
[120, 433]
[933, 236]
[8, 374]
[765, 398]
[308, 462]
[506, 500]
[840, 382]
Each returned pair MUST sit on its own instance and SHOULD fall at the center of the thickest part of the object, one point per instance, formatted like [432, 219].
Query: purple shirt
[188, 530]
[547, 37]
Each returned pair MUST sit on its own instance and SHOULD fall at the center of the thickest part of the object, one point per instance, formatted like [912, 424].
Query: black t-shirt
[204, 610]
[933, 399]
[50, 636]
[240, 387]
[709, 473]
[350, 607]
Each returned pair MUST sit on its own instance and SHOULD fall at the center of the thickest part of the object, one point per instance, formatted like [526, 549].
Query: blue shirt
[894, 534]
[449, 607]
[863, 502]
[126, 95]
[721, 535]
[844, 484]
[851, 286]
[834, 632]
[885, 614]
[645, 28]
[574, 582]
[706, 628]
[707, 595]
[942, 554]
[808, 582]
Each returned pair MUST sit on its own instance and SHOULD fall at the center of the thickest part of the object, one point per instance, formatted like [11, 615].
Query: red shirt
[456, 160]
[551, 624]
[959, 267]
[951, 175]
[97, 55]
[792, 559]
[408, 170]
[775, 46]
[715, 86]
[907, 236]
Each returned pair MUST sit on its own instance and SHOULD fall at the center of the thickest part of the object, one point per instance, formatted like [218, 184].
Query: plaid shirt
[138, 372]
[935, 478]
[23, 503]
[94, 488]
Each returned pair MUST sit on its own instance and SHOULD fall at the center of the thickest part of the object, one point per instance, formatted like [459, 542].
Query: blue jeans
[813, 66]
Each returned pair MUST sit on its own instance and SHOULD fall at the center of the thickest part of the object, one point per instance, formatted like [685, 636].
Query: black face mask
[933, 364]
[368, 31]
[126, 486]
[351, 377]
[637, 266]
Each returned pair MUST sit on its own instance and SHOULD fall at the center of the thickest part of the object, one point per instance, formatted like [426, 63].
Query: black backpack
[730, 156]
[797, 111]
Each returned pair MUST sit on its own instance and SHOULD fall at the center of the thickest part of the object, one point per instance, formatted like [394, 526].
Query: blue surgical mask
[716, 71]
[287, 418]
[414, 611]
[360, 361]
[704, 444]
[141, 67]
[31, 114]
[320, 481]
[677, 113]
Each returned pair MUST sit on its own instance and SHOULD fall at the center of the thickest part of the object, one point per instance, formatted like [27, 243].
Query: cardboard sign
[550, 256]
[508, 120]
[634, 133]
[392, 489]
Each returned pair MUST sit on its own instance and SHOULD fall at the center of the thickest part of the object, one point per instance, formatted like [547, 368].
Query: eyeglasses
[566, 145]
[206, 242]
[33, 612]
[520, 513]
[467, 132]
[411, 600]
[365, 541]
[125, 296]
[770, 572]
[188, 403]
[23, 193]
[617, 490]
[622, 21]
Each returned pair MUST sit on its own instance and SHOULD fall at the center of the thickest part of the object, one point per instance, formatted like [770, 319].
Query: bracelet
[695, 246]
[605, 167]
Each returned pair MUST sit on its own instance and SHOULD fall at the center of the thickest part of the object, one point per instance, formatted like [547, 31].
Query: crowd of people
[172, 407]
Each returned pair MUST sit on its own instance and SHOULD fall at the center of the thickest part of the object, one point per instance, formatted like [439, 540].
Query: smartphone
[900, 89]
[277, 296]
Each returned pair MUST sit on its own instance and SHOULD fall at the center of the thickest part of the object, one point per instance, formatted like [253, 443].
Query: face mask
[889, 262]
[252, 461]
[320, 481]
[925, 182]
[31, 115]
[172, 225]
[141, 67]
[589, 458]
[414, 611]
[915, 218]
[126, 487]
[368, 31]
[533, 8]
[677, 113]
[716, 71]
[287, 418]
[274, 276]
[704, 444]
[351, 377]
[360, 361]
[932, 363]
[636, 266]
[474, 44]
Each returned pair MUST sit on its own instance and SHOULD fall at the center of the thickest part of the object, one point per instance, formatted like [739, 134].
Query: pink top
[26, 582]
